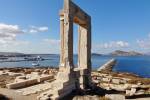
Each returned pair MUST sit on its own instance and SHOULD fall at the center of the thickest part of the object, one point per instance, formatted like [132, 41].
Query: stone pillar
[68, 78]
[84, 56]
[68, 41]
[62, 63]
[89, 48]
[82, 49]
[67, 37]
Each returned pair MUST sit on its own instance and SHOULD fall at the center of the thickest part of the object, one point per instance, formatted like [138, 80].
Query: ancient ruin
[69, 15]
[70, 78]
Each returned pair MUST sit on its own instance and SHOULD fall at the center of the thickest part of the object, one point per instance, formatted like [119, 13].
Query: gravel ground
[4, 79]
[13, 95]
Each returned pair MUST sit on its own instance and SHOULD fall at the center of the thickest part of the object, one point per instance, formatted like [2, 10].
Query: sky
[32, 26]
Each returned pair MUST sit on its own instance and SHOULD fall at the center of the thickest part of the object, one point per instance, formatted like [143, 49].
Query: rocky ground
[5, 79]
[109, 85]
[8, 75]
[126, 84]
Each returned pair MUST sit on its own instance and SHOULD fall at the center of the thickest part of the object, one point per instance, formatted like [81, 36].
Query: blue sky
[32, 26]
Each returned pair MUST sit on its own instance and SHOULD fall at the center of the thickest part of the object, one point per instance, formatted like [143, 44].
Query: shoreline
[125, 83]
[57, 67]
[127, 67]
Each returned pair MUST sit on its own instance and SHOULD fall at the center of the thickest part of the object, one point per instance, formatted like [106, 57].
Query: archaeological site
[68, 81]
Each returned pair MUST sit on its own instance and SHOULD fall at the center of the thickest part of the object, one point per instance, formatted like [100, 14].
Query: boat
[38, 58]
[35, 64]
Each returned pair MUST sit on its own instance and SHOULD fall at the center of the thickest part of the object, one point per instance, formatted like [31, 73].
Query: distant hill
[148, 53]
[11, 54]
[125, 53]
[96, 54]
[115, 53]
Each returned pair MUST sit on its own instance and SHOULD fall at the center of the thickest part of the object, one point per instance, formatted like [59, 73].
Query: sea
[139, 65]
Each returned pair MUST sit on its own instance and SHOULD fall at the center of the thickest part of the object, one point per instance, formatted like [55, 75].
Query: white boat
[35, 64]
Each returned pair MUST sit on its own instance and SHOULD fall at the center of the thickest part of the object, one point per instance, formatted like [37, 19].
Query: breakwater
[108, 66]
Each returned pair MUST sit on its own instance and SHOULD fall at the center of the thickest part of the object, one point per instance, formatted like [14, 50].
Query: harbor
[29, 82]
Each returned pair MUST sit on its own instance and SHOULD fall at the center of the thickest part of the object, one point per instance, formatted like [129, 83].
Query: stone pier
[68, 77]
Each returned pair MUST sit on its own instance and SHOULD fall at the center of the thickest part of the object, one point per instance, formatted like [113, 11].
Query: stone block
[20, 79]
[118, 87]
[123, 81]
[116, 81]
[22, 84]
[87, 97]
[35, 73]
[115, 96]
[106, 79]
[140, 92]
[1, 71]
[15, 74]
[98, 78]
[131, 92]
[44, 78]
[128, 92]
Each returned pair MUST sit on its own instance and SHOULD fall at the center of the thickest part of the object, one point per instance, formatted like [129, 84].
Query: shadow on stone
[138, 96]
[3, 97]
[97, 92]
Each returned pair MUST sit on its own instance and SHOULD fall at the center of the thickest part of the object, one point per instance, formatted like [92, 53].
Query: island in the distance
[125, 53]
[121, 53]
[114, 53]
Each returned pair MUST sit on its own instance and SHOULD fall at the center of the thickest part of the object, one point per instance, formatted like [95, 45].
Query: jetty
[127, 85]
[108, 66]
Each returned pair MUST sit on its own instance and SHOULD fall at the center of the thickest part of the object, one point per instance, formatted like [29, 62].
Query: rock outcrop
[122, 84]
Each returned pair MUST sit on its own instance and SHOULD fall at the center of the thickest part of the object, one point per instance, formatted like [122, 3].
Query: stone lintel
[80, 16]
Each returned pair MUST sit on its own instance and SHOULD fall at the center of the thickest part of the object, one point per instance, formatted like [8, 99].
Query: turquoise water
[134, 64]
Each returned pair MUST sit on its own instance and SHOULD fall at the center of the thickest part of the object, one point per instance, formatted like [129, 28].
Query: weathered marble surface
[67, 78]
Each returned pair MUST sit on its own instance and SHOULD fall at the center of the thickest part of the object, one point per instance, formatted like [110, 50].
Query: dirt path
[16, 96]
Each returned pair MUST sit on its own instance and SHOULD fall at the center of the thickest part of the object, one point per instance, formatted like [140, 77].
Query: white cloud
[113, 44]
[10, 28]
[52, 41]
[9, 32]
[149, 35]
[17, 43]
[144, 43]
[15, 46]
[34, 29]
[9, 41]
[53, 45]
[43, 28]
